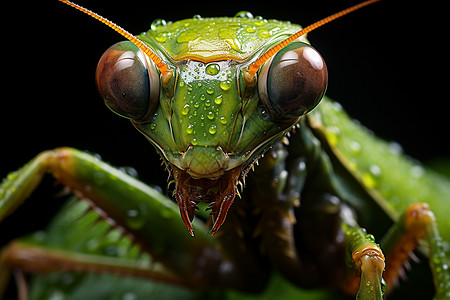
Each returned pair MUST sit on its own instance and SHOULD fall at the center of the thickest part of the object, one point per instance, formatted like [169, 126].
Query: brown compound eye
[293, 82]
[127, 82]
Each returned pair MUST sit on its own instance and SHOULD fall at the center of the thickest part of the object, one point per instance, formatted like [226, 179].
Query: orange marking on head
[163, 68]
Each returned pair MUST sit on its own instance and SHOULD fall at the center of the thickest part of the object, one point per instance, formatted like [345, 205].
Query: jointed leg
[34, 257]
[365, 256]
[79, 240]
[146, 216]
[139, 212]
[418, 223]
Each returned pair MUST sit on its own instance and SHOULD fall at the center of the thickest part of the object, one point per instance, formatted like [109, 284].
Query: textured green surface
[212, 39]
[204, 123]
[393, 179]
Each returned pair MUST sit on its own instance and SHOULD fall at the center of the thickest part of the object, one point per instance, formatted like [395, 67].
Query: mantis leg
[39, 258]
[309, 247]
[416, 224]
[79, 245]
[150, 219]
[366, 257]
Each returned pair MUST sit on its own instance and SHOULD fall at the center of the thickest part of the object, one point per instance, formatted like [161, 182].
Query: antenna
[163, 68]
[253, 68]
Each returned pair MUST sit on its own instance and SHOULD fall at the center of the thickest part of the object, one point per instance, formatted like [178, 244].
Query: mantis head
[213, 100]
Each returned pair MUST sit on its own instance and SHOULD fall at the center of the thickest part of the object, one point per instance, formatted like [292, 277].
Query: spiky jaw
[202, 174]
[220, 193]
[210, 175]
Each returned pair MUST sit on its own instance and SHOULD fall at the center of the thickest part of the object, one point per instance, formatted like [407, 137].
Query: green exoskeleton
[217, 97]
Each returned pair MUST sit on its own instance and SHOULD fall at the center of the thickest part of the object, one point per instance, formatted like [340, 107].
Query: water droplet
[157, 23]
[251, 29]
[210, 115]
[370, 237]
[259, 21]
[130, 171]
[337, 106]
[97, 156]
[395, 148]
[12, 175]
[225, 85]
[264, 34]
[209, 90]
[244, 14]
[212, 129]
[194, 142]
[223, 120]
[264, 114]
[185, 109]
[162, 36]
[190, 129]
[136, 218]
[197, 17]
[218, 99]
[375, 170]
[355, 147]
[152, 126]
[99, 178]
[417, 171]
[212, 69]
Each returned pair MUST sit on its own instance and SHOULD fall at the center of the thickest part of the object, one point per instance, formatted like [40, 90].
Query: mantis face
[213, 95]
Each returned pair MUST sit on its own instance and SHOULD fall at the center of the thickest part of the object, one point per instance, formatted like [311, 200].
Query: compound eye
[127, 82]
[293, 82]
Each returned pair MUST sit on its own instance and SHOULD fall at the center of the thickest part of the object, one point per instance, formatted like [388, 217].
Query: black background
[387, 66]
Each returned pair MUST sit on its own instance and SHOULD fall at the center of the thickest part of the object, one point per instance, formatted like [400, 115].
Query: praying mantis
[330, 137]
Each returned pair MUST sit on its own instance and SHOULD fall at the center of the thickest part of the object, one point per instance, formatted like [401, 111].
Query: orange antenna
[253, 68]
[146, 49]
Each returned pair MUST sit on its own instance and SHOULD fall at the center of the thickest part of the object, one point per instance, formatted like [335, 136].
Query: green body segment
[123, 200]
[393, 180]
[144, 211]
